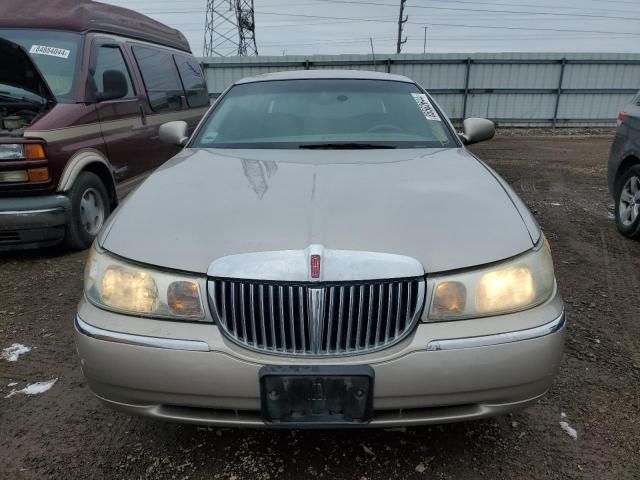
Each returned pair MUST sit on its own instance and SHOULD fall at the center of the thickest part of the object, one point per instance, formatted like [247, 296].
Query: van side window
[108, 59]
[160, 80]
[192, 81]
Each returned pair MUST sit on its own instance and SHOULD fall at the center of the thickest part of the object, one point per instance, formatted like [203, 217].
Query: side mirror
[175, 133]
[477, 130]
[114, 85]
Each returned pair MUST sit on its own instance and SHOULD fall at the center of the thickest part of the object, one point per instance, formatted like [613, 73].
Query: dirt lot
[66, 433]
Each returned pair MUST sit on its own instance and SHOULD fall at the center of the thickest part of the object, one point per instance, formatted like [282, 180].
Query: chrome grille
[309, 319]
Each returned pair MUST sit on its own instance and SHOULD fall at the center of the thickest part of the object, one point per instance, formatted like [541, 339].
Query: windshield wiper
[343, 146]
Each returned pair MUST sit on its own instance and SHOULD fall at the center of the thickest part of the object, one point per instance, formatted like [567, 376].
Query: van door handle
[143, 117]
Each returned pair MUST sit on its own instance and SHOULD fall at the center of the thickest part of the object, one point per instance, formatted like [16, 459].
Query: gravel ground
[66, 433]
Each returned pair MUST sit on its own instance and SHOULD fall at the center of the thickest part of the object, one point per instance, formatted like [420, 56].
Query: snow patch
[11, 354]
[34, 388]
[12, 384]
[568, 429]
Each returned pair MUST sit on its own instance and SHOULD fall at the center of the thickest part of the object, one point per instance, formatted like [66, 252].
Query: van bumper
[32, 222]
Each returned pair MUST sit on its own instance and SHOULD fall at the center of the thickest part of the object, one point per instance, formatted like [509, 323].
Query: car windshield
[56, 55]
[325, 114]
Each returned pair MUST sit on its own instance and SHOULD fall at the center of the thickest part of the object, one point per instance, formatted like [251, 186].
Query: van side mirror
[175, 133]
[114, 85]
[476, 130]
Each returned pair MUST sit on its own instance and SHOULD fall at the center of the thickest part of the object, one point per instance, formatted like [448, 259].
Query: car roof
[325, 74]
[84, 16]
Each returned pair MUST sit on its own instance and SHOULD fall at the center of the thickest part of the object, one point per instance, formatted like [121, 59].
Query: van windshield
[325, 114]
[56, 55]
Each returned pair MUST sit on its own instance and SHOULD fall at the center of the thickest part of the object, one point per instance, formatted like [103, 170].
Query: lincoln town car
[323, 251]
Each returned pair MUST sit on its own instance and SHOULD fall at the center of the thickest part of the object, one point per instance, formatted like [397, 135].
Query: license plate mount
[308, 396]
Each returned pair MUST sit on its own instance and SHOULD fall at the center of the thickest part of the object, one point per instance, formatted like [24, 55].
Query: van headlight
[114, 284]
[517, 284]
[11, 151]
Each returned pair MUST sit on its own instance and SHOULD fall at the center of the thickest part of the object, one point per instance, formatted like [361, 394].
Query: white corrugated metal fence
[526, 89]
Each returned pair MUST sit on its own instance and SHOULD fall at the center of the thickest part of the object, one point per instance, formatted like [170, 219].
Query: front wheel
[89, 210]
[628, 203]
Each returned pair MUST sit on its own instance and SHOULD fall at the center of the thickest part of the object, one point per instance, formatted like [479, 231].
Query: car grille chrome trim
[310, 319]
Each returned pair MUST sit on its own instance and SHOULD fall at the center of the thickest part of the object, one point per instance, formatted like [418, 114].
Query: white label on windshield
[425, 106]
[51, 51]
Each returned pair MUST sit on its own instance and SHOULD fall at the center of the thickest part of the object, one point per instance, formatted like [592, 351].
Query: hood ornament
[315, 267]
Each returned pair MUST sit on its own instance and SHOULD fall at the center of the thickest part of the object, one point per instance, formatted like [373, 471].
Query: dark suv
[84, 87]
[624, 170]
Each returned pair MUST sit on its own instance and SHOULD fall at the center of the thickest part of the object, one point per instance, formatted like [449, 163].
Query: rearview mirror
[175, 133]
[114, 85]
[477, 130]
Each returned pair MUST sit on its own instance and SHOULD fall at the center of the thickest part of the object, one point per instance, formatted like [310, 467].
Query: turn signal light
[38, 174]
[450, 298]
[183, 298]
[34, 151]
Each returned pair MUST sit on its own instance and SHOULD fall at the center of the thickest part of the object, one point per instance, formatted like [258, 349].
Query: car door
[122, 121]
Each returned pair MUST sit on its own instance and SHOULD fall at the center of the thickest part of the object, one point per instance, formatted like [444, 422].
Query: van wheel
[628, 203]
[89, 210]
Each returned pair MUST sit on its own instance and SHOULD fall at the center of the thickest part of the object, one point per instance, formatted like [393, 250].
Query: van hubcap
[629, 207]
[91, 211]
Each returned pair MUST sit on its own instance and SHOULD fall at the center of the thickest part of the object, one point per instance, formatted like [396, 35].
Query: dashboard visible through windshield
[326, 113]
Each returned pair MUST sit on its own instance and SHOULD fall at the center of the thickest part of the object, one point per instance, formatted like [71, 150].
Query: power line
[478, 10]
[368, 20]
[538, 5]
[409, 38]
[453, 24]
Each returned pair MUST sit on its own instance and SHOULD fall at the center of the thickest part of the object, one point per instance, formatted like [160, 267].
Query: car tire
[90, 207]
[627, 208]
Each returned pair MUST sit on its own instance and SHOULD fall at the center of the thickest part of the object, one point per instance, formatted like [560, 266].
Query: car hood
[442, 207]
[23, 72]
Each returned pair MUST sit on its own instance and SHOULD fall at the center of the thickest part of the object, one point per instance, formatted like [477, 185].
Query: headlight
[22, 151]
[120, 286]
[517, 284]
[11, 151]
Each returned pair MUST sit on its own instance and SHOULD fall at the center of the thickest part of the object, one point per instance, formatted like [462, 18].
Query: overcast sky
[305, 27]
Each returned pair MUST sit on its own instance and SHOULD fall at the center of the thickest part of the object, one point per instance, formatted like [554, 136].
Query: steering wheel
[385, 128]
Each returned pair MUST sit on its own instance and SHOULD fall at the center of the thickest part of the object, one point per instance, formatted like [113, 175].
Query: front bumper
[434, 376]
[31, 222]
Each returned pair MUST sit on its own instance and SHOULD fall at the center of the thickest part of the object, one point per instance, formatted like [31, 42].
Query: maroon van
[84, 87]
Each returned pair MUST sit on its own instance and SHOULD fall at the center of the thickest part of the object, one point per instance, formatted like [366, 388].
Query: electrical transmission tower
[246, 28]
[229, 28]
[401, 22]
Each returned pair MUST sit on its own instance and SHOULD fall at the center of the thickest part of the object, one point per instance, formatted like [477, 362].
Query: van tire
[628, 187]
[90, 207]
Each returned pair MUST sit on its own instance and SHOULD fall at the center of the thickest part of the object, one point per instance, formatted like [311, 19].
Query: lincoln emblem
[315, 266]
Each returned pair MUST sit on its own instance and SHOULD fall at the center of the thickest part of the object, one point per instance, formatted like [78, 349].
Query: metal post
[559, 92]
[373, 53]
[424, 46]
[466, 88]
[389, 65]
[401, 22]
